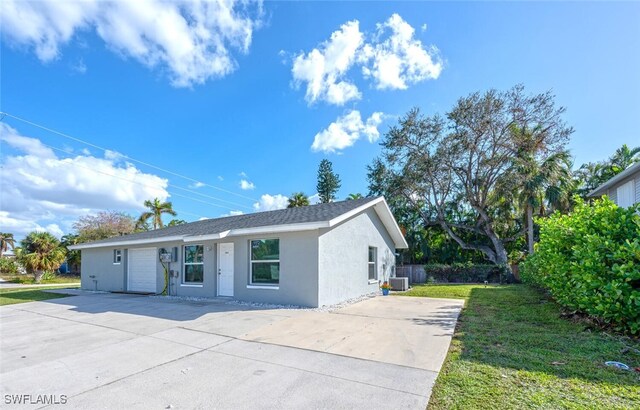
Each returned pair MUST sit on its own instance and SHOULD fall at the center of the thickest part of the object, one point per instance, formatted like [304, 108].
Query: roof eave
[146, 241]
[601, 190]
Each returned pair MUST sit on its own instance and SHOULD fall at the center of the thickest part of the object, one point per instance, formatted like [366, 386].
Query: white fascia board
[210, 237]
[392, 225]
[308, 226]
[126, 243]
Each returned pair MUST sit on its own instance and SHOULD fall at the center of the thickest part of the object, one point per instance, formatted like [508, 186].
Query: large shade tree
[41, 252]
[103, 225]
[156, 209]
[449, 169]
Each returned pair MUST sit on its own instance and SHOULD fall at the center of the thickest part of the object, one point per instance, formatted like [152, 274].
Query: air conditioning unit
[399, 283]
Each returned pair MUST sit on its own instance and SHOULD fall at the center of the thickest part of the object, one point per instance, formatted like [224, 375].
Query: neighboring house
[623, 189]
[309, 256]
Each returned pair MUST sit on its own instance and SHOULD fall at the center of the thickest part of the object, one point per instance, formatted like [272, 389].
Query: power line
[124, 156]
[133, 181]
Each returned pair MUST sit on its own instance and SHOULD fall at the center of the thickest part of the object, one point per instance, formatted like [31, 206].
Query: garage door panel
[142, 270]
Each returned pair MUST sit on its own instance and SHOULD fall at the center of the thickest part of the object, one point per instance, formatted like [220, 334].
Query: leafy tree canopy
[103, 225]
[298, 199]
[449, 169]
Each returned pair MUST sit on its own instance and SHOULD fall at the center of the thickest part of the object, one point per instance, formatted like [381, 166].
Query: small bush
[466, 273]
[590, 262]
[48, 275]
[9, 266]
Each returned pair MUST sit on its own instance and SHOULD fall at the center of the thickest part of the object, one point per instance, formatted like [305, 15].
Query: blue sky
[239, 112]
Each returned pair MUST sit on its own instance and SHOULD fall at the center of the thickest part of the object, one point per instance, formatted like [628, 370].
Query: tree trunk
[530, 228]
[37, 275]
[501, 257]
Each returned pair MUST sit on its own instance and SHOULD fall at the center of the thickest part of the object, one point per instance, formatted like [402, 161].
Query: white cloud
[323, 68]
[232, 213]
[191, 40]
[43, 191]
[21, 227]
[346, 130]
[400, 60]
[79, 67]
[246, 185]
[197, 185]
[271, 202]
[391, 57]
[220, 178]
[314, 199]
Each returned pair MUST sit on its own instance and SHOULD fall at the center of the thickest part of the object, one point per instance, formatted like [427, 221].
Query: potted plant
[385, 288]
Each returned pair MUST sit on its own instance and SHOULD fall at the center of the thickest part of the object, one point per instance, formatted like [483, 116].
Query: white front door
[225, 269]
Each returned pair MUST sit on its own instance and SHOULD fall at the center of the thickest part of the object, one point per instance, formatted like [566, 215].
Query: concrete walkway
[127, 351]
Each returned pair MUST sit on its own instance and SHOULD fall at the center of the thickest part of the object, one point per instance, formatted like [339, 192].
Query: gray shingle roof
[305, 214]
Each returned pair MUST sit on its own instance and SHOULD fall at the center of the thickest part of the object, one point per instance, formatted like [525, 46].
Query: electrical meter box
[168, 255]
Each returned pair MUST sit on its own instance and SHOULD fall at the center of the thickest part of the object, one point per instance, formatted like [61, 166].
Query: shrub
[590, 262]
[48, 275]
[9, 266]
[466, 273]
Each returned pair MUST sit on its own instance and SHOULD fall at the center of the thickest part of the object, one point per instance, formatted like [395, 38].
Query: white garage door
[142, 270]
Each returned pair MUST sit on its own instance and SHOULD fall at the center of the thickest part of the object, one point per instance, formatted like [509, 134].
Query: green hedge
[590, 262]
[465, 273]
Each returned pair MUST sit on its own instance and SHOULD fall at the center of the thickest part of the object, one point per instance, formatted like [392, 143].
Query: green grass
[28, 279]
[13, 296]
[442, 291]
[512, 349]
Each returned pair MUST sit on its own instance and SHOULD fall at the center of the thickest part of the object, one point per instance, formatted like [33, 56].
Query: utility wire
[131, 180]
[124, 156]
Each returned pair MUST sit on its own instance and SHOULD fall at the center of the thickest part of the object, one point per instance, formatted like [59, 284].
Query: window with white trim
[193, 271]
[117, 256]
[264, 261]
[373, 257]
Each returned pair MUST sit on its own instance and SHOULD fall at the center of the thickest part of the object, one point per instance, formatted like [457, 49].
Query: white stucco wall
[344, 255]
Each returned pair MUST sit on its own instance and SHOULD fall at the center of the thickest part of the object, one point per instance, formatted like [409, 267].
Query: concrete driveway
[124, 351]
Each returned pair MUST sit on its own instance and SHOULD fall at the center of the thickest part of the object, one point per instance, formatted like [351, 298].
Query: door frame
[218, 275]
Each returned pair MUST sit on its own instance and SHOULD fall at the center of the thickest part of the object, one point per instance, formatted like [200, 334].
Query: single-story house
[308, 256]
[623, 189]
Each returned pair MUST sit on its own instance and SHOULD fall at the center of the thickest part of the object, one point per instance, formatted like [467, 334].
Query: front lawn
[13, 296]
[28, 279]
[512, 349]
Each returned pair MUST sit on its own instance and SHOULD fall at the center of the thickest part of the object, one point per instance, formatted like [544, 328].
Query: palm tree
[623, 158]
[176, 222]
[6, 241]
[537, 180]
[298, 199]
[156, 209]
[41, 252]
[545, 183]
[355, 196]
